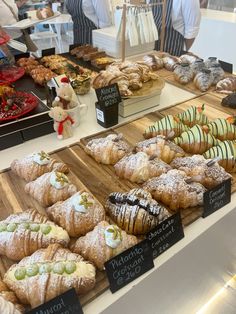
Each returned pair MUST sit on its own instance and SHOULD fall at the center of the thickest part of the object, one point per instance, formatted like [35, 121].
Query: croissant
[50, 188]
[225, 152]
[9, 303]
[197, 66]
[107, 150]
[183, 73]
[48, 273]
[140, 167]
[135, 212]
[217, 73]
[188, 58]
[193, 115]
[173, 190]
[222, 129]
[161, 147]
[78, 215]
[196, 140]
[33, 166]
[205, 171]
[154, 62]
[103, 243]
[170, 62]
[168, 126]
[24, 233]
[227, 85]
[203, 80]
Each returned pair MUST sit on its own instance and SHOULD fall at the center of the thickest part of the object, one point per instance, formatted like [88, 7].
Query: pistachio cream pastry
[24, 233]
[193, 115]
[222, 129]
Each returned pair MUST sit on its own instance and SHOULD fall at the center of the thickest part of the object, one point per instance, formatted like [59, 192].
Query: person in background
[88, 15]
[204, 4]
[183, 19]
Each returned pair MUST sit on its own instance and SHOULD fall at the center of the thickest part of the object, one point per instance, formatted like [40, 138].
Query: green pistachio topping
[45, 269]
[59, 268]
[34, 227]
[70, 267]
[84, 201]
[11, 227]
[20, 273]
[3, 227]
[25, 225]
[45, 229]
[32, 270]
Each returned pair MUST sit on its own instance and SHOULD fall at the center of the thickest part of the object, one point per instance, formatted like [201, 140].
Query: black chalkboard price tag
[48, 52]
[217, 198]
[166, 234]
[227, 67]
[108, 95]
[129, 265]
[66, 303]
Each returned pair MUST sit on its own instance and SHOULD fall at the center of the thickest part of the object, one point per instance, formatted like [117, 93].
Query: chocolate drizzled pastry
[229, 101]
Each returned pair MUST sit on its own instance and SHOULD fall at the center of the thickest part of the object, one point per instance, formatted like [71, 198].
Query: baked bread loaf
[193, 115]
[140, 167]
[9, 303]
[161, 147]
[135, 212]
[203, 80]
[107, 150]
[103, 243]
[205, 171]
[50, 188]
[174, 190]
[34, 165]
[222, 129]
[48, 273]
[78, 214]
[24, 233]
[183, 73]
[227, 85]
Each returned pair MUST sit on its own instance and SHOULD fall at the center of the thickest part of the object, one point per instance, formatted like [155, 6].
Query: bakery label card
[48, 52]
[217, 198]
[108, 95]
[227, 67]
[129, 265]
[166, 234]
[66, 303]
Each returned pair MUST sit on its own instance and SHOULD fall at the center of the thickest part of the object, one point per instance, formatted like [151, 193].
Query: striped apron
[174, 41]
[82, 26]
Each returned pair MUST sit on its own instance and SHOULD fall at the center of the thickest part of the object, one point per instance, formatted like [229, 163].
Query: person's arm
[103, 12]
[192, 18]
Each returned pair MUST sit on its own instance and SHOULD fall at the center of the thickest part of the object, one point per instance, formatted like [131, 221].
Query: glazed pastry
[34, 165]
[229, 101]
[50, 188]
[9, 303]
[193, 115]
[217, 73]
[169, 126]
[140, 167]
[107, 150]
[183, 73]
[227, 85]
[135, 212]
[24, 233]
[174, 190]
[170, 62]
[103, 243]
[78, 215]
[48, 273]
[161, 147]
[153, 62]
[222, 129]
[205, 171]
[196, 140]
[203, 80]
[188, 58]
[225, 152]
[197, 66]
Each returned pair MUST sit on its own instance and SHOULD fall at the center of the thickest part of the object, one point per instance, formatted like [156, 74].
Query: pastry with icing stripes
[136, 212]
[196, 140]
[193, 115]
[223, 129]
[169, 126]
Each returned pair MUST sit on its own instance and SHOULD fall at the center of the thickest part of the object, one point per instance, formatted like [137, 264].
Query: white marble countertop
[229, 17]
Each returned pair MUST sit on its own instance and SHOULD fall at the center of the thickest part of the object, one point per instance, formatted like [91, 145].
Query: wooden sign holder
[124, 15]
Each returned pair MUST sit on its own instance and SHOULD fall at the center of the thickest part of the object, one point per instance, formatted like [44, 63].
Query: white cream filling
[57, 184]
[58, 233]
[77, 200]
[41, 159]
[109, 238]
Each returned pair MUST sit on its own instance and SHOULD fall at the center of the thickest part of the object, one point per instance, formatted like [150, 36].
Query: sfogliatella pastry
[107, 150]
[48, 273]
[103, 243]
[225, 152]
[217, 73]
[136, 212]
[183, 73]
[205, 171]
[24, 233]
[222, 129]
[169, 126]
[193, 115]
[140, 167]
[229, 101]
[227, 85]
[34, 165]
[9, 303]
[197, 66]
[50, 188]
[203, 80]
[174, 190]
[78, 214]
[196, 140]
[161, 147]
